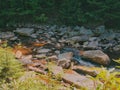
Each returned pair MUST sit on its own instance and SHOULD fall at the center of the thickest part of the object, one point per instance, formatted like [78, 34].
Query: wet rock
[25, 31]
[96, 56]
[79, 81]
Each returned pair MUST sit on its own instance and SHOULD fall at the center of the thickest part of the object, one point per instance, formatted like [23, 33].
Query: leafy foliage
[10, 68]
[68, 12]
[110, 80]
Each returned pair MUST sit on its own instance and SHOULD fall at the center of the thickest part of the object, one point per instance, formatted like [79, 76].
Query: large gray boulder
[25, 31]
[96, 56]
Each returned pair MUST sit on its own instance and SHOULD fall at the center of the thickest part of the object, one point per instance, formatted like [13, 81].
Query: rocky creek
[59, 39]
[76, 48]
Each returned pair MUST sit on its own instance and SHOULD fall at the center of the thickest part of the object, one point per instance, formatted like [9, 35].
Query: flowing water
[82, 61]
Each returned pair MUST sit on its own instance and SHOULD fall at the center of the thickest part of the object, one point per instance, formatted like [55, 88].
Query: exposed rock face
[97, 56]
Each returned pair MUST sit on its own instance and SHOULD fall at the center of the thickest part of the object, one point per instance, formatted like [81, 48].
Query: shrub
[10, 68]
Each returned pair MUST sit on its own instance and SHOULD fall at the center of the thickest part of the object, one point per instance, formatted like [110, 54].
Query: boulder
[96, 56]
[56, 70]
[91, 45]
[65, 59]
[65, 63]
[116, 48]
[84, 31]
[26, 59]
[81, 38]
[67, 56]
[7, 35]
[80, 81]
[93, 71]
[25, 31]
[73, 78]
[99, 30]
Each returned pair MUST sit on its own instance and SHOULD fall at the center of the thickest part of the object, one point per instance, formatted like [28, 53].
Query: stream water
[82, 61]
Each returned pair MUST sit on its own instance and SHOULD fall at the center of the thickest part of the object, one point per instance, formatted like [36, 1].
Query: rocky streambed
[77, 48]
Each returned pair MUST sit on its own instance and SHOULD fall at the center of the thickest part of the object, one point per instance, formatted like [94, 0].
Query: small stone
[57, 52]
[18, 54]
[116, 48]
[14, 38]
[53, 58]
[58, 46]
[40, 56]
[33, 35]
[43, 51]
